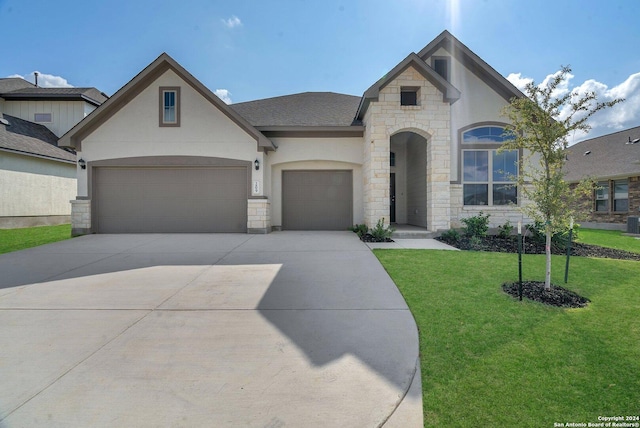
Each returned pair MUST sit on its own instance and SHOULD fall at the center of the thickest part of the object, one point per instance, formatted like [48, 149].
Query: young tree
[541, 123]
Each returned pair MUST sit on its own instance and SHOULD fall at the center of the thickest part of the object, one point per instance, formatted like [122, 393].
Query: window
[392, 159]
[488, 177]
[408, 96]
[441, 66]
[621, 195]
[602, 196]
[169, 106]
[42, 118]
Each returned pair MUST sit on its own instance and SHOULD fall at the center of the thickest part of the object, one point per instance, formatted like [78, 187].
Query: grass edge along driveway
[20, 239]
[489, 360]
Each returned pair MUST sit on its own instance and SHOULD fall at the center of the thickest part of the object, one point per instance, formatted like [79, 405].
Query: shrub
[360, 230]
[476, 226]
[451, 235]
[505, 230]
[381, 233]
[536, 234]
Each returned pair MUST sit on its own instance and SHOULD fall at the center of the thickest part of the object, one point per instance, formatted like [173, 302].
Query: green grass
[19, 239]
[490, 360]
[610, 239]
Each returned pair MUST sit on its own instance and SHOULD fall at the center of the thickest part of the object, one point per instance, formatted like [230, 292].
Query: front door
[392, 197]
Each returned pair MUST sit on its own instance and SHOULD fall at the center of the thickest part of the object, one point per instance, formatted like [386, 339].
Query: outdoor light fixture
[82, 163]
[257, 164]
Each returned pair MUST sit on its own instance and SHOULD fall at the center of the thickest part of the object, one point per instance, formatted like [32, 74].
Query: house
[38, 178]
[164, 154]
[613, 162]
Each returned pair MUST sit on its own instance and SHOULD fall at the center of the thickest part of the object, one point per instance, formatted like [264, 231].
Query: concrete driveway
[280, 330]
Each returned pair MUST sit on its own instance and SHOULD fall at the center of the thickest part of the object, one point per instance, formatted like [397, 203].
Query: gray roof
[610, 156]
[22, 136]
[91, 95]
[305, 109]
[8, 84]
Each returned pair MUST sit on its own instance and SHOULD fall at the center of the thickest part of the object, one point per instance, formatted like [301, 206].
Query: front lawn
[610, 239]
[489, 360]
[19, 239]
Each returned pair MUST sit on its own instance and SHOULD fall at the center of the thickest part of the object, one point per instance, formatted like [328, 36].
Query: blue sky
[257, 49]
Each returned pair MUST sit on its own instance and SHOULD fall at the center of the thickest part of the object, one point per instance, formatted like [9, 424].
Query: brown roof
[91, 95]
[609, 156]
[24, 137]
[305, 109]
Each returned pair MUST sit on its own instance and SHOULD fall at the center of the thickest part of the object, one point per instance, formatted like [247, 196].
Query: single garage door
[317, 200]
[170, 199]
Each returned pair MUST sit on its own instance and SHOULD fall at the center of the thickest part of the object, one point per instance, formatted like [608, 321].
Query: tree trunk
[547, 279]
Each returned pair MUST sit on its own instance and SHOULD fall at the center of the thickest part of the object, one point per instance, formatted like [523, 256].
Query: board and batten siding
[64, 114]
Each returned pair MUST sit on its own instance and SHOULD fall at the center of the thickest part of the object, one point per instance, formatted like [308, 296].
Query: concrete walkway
[286, 329]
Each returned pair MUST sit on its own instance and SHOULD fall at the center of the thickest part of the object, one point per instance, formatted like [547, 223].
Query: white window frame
[490, 183]
[622, 197]
[602, 194]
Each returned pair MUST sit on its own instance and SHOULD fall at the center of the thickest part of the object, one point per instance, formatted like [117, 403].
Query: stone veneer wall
[80, 217]
[430, 119]
[499, 215]
[259, 216]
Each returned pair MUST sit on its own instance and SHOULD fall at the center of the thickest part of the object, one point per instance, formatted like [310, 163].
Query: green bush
[380, 232]
[505, 230]
[536, 233]
[451, 235]
[476, 226]
[360, 230]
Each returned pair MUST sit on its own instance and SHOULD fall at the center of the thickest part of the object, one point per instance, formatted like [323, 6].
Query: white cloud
[224, 95]
[619, 117]
[232, 22]
[45, 80]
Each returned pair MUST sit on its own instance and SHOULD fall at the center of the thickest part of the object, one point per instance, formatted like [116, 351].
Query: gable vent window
[409, 96]
[169, 106]
[441, 66]
[42, 118]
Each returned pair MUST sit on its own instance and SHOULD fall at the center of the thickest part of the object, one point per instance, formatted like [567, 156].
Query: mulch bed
[556, 296]
[510, 245]
[370, 238]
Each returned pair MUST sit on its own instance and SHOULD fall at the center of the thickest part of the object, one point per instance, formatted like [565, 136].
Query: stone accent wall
[499, 214]
[431, 119]
[258, 216]
[80, 217]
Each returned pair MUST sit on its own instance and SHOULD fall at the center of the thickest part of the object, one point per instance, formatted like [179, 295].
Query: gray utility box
[633, 224]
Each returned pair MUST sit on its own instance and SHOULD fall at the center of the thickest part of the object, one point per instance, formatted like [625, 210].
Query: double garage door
[170, 199]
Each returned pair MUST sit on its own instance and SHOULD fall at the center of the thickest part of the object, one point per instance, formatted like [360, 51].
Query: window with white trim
[602, 196]
[169, 106]
[620, 196]
[488, 176]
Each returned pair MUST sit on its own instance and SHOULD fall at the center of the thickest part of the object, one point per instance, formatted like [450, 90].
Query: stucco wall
[31, 186]
[314, 153]
[134, 131]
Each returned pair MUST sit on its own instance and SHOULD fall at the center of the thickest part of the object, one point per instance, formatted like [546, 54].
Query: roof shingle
[32, 139]
[305, 109]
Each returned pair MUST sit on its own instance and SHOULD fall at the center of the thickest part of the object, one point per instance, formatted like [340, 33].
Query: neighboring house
[38, 178]
[613, 161]
[164, 154]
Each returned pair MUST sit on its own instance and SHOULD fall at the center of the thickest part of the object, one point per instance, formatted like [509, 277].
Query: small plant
[360, 230]
[536, 234]
[381, 233]
[505, 230]
[476, 226]
[451, 236]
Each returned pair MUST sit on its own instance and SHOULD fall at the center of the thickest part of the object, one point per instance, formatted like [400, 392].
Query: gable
[163, 69]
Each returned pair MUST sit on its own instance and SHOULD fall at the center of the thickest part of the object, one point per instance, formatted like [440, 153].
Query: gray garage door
[317, 200]
[170, 200]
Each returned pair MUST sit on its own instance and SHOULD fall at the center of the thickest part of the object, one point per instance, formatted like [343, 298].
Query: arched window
[488, 177]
